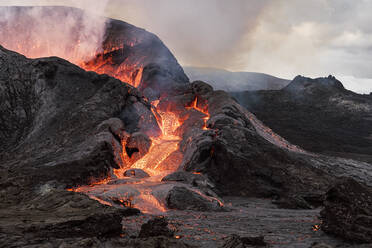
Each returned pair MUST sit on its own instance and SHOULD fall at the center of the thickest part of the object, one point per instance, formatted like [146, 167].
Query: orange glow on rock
[194, 105]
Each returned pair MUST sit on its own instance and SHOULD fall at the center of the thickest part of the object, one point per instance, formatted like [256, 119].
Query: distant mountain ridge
[235, 81]
[302, 84]
[319, 115]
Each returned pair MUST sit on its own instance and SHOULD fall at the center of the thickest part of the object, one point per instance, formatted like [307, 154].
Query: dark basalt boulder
[235, 241]
[193, 179]
[136, 173]
[138, 117]
[187, 177]
[183, 198]
[114, 126]
[152, 242]
[320, 245]
[156, 227]
[137, 145]
[347, 211]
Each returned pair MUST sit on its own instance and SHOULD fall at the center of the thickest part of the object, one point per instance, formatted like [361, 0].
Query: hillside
[319, 115]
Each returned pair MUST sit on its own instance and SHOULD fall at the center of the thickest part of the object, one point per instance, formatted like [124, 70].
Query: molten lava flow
[162, 158]
[122, 58]
[108, 61]
[105, 63]
[194, 105]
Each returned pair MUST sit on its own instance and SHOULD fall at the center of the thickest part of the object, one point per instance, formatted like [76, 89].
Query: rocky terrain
[319, 115]
[347, 211]
[235, 81]
[87, 160]
[54, 136]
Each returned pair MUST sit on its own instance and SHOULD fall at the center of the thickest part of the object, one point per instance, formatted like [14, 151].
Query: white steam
[68, 33]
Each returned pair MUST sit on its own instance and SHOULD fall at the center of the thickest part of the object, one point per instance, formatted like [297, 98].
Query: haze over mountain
[229, 81]
[319, 115]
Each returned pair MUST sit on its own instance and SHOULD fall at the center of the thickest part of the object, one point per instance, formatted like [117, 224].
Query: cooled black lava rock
[114, 126]
[151, 242]
[136, 173]
[347, 211]
[137, 145]
[155, 227]
[238, 160]
[193, 179]
[58, 130]
[183, 198]
[235, 241]
[138, 117]
[160, 69]
[58, 214]
[320, 245]
[241, 157]
[319, 115]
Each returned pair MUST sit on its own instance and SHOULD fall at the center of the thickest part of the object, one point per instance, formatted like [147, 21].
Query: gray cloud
[279, 37]
[42, 32]
[205, 33]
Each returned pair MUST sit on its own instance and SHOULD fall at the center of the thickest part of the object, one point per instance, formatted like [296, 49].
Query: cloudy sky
[279, 37]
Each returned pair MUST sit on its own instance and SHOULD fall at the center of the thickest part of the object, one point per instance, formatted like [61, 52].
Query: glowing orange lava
[194, 105]
[163, 156]
[161, 147]
[100, 61]
[117, 61]
[103, 63]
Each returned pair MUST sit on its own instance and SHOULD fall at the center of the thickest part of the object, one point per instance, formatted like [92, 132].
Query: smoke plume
[68, 33]
[199, 33]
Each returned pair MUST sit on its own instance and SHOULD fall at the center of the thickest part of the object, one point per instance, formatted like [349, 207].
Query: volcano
[88, 156]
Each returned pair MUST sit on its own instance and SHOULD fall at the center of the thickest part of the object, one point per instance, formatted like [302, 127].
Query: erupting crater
[135, 57]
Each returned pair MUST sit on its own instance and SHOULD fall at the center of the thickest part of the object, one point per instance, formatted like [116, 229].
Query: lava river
[145, 193]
